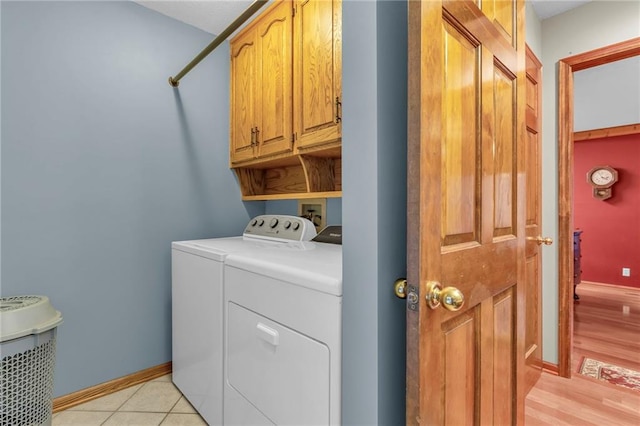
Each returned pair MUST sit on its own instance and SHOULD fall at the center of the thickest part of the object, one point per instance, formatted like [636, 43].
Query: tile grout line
[163, 419]
[107, 419]
[173, 406]
[117, 410]
[120, 406]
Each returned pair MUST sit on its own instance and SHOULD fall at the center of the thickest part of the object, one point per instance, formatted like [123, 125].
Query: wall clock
[602, 178]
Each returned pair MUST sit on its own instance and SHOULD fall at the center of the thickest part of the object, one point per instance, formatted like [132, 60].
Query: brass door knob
[541, 240]
[400, 288]
[450, 298]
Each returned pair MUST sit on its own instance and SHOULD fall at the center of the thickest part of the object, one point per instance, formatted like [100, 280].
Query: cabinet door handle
[253, 136]
[338, 110]
[257, 135]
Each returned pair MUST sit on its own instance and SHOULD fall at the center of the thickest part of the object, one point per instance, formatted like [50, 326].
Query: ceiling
[548, 8]
[214, 16]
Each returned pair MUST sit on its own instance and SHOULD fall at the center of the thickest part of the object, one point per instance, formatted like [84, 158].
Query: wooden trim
[621, 287]
[608, 132]
[604, 55]
[532, 57]
[293, 196]
[565, 218]
[85, 395]
[550, 368]
[566, 68]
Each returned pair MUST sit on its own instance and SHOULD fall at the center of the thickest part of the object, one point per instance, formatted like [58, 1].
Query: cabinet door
[243, 97]
[275, 67]
[318, 72]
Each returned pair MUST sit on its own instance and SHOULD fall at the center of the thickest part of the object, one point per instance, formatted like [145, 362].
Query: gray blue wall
[374, 53]
[103, 165]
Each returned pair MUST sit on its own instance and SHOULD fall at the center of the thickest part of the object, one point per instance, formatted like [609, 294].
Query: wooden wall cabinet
[286, 85]
[261, 90]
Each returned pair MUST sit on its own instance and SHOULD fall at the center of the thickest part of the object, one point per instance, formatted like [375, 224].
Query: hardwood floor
[606, 325]
[606, 328]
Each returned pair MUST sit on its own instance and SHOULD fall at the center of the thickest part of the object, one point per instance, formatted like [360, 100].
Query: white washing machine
[197, 305]
[283, 318]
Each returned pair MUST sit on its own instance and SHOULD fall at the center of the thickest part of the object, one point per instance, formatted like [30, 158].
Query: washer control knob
[261, 222]
[296, 226]
[273, 223]
[254, 222]
[287, 224]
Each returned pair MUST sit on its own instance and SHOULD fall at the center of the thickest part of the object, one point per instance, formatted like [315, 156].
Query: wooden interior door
[466, 212]
[533, 160]
[273, 114]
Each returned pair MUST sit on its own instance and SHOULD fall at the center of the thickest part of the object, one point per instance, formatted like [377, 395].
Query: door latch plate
[413, 297]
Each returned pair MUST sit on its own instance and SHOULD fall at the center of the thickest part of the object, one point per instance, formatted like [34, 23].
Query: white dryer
[283, 309]
[197, 305]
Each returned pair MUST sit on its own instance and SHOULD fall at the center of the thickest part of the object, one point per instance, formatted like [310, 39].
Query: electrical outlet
[626, 272]
[315, 210]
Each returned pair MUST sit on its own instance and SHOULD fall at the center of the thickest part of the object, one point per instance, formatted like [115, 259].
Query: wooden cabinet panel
[274, 117]
[318, 72]
[243, 97]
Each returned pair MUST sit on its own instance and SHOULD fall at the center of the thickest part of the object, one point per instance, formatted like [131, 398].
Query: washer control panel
[280, 228]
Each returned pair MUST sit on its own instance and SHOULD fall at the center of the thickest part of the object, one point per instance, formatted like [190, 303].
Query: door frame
[566, 68]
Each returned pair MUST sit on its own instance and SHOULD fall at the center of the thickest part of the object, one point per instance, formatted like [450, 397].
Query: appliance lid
[214, 248]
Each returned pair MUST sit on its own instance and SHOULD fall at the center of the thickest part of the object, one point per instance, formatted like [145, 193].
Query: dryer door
[283, 373]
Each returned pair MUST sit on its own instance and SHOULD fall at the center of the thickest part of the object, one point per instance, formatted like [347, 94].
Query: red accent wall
[611, 228]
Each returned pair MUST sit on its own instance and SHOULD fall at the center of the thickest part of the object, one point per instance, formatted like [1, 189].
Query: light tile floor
[157, 402]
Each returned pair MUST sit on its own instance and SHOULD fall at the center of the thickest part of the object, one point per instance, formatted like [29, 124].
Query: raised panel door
[533, 156]
[318, 72]
[275, 67]
[243, 97]
[466, 213]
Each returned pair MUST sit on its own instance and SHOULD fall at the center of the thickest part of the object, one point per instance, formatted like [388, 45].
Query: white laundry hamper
[27, 352]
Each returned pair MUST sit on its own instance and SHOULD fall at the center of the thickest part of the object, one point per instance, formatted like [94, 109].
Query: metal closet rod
[255, 6]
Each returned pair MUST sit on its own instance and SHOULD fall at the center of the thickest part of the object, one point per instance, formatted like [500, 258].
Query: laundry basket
[27, 350]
